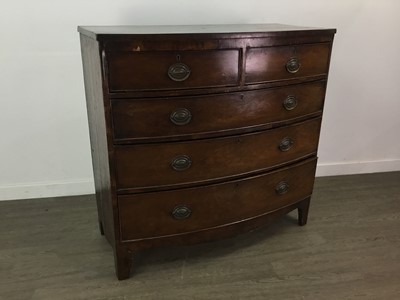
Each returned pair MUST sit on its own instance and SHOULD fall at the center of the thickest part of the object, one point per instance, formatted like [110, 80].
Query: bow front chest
[201, 132]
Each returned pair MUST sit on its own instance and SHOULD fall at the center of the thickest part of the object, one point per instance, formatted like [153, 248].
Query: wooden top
[99, 32]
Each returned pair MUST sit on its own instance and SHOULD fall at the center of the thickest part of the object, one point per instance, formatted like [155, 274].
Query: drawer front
[186, 210]
[288, 62]
[179, 163]
[161, 70]
[184, 116]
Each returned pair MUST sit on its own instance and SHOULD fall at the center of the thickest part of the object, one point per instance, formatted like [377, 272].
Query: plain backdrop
[44, 134]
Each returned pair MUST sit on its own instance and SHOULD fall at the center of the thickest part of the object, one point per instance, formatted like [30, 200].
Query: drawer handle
[181, 163]
[286, 144]
[179, 72]
[290, 102]
[181, 212]
[282, 188]
[293, 65]
[181, 116]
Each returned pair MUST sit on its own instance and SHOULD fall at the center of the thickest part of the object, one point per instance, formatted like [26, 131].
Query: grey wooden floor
[350, 249]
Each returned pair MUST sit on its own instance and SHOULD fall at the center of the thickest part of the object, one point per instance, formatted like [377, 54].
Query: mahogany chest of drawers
[201, 132]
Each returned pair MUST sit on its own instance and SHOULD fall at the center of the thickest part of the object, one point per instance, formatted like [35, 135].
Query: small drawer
[163, 70]
[147, 166]
[187, 210]
[286, 62]
[181, 117]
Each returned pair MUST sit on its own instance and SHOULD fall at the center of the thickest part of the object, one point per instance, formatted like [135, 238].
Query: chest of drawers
[201, 132]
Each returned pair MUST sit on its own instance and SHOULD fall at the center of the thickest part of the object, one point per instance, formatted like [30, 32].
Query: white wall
[44, 135]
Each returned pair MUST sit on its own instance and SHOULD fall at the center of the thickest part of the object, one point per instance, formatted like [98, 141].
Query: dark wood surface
[96, 110]
[267, 64]
[176, 46]
[211, 159]
[140, 120]
[250, 30]
[148, 70]
[236, 87]
[213, 205]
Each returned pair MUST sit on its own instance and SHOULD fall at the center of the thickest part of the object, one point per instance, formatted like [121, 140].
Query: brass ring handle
[290, 102]
[181, 212]
[179, 72]
[181, 163]
[282, 188]
[293, 65]
[181, 116]
[286, 144]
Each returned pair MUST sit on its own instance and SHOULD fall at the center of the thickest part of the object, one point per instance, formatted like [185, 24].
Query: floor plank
[350, 249]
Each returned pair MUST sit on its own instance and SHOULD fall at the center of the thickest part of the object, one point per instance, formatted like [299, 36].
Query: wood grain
[268, 64]
[148, 119]
[140, 70]
[212, 159]
[127, 66]
[214, 205]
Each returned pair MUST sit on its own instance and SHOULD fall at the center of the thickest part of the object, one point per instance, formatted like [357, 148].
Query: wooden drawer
[178, 163]
[187, 210]
[161, 70]
[191, 141]
[163, 118]
[288, 62]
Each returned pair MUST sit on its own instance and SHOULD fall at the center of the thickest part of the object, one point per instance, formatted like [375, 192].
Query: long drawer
[187, 210]
[180, 117]
[176, 163]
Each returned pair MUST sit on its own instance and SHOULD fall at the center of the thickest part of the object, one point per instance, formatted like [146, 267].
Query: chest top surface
[241, 30]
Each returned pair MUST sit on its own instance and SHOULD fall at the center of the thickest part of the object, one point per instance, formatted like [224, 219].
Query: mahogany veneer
[201, 132]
